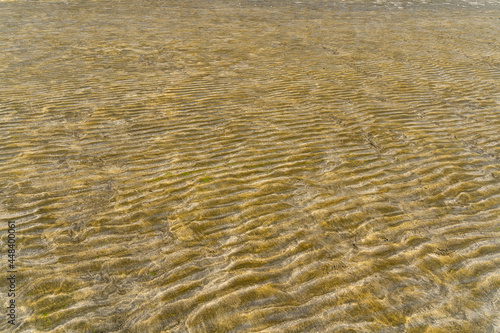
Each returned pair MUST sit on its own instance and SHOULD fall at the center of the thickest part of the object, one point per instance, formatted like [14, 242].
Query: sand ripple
[213, 166]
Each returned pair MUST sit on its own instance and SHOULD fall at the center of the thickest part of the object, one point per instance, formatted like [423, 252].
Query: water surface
[252, 166]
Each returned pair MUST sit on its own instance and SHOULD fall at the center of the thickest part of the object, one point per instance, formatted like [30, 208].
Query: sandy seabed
[251, 166]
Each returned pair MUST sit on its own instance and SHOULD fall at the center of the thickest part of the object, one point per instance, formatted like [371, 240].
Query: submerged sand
[251, 166]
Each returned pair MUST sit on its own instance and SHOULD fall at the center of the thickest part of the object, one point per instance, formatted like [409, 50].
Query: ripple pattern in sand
[253, 167]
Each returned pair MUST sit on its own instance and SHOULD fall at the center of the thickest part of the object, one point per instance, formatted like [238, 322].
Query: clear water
[251, 166]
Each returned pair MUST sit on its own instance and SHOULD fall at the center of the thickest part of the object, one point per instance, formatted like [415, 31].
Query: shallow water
[252, 166]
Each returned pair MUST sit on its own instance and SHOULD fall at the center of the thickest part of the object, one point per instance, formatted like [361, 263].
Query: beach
[250, 166]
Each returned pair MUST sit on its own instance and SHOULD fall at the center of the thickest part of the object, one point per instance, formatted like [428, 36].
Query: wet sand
[251, 166]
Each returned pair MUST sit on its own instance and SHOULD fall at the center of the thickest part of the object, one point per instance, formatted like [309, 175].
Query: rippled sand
[252, 166]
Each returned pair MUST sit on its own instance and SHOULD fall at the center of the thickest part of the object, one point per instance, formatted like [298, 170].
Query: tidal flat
[251, 166]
